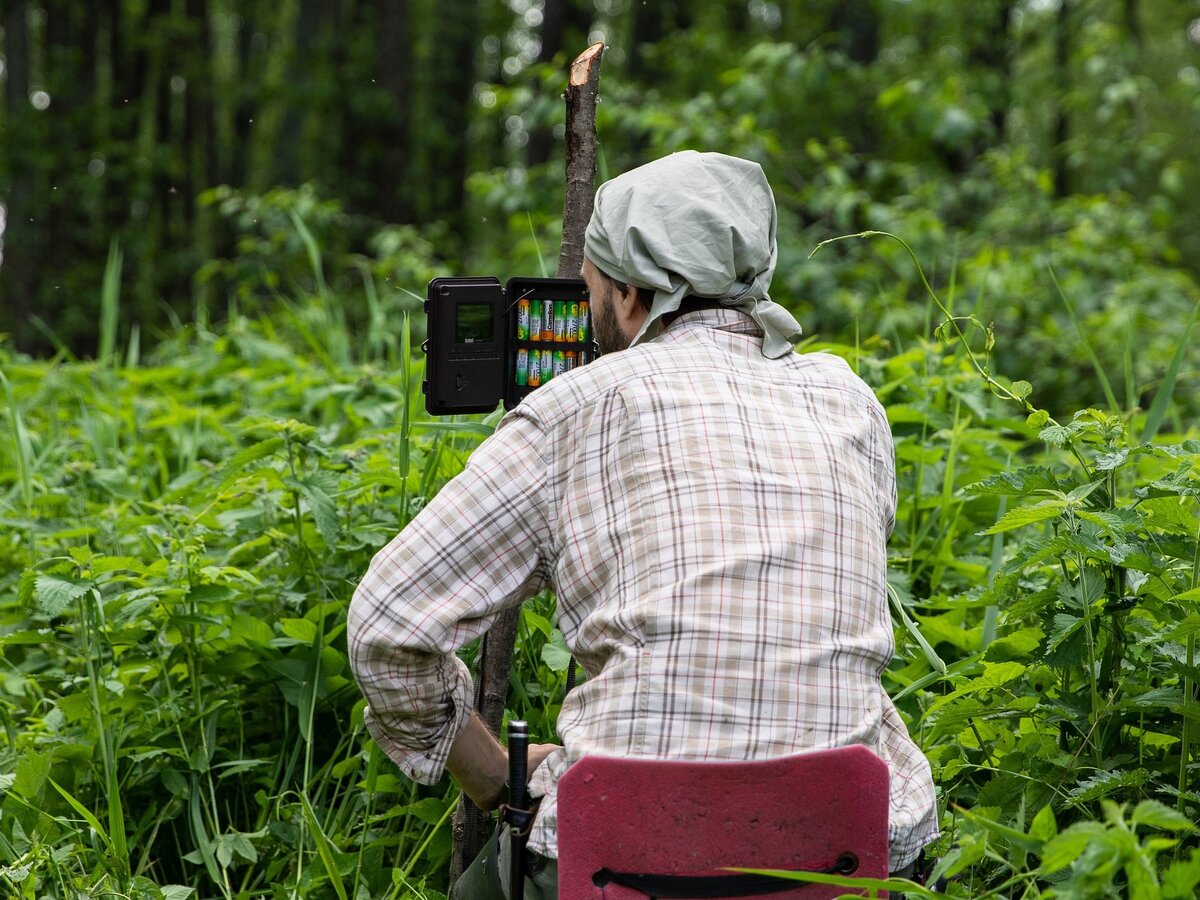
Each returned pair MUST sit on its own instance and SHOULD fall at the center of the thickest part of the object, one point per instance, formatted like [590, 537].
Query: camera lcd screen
[473, 323]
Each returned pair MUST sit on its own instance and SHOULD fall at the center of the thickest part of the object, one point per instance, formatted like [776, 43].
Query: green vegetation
[217, 225]
[181, 534]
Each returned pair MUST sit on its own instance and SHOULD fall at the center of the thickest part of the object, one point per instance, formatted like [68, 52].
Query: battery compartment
[558, 338]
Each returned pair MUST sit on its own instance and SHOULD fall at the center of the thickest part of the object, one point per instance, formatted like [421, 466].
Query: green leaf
[1155, 814]
[1182, 876]
[1021, 389]
[315, 490]
[54, 594]
[324, 850]
[555, 654]
[1162, 399]
[1043, 827]
[1016, 646]
[1027, 480]
[1028, 515]
[299, 629]
[1104, 783]
[1062, 850]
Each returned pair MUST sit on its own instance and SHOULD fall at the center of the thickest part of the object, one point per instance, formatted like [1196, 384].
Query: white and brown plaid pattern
[713, 523]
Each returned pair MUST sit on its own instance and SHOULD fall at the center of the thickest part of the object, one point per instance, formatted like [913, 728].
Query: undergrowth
[180, 535]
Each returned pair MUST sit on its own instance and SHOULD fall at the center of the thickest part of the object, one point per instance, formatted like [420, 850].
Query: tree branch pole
[470, 825]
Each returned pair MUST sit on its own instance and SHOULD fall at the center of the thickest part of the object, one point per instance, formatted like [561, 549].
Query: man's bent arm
[476, 549]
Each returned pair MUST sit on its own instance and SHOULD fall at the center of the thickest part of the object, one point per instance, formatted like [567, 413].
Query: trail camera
[489, 344]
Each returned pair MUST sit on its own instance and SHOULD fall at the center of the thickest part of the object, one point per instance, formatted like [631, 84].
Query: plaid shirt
[713, 524]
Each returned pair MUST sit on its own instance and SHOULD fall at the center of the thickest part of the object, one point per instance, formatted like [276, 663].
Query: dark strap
[700, 886]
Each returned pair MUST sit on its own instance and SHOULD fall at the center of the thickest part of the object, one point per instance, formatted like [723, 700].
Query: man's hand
[480, 765]
[538, 753]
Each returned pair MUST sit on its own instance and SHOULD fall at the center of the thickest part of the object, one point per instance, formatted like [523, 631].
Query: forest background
[216, 223]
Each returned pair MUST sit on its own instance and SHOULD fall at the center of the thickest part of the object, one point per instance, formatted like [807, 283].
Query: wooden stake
[470, 826]
[580, 96]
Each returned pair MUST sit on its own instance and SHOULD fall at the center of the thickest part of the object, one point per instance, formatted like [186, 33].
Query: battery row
[551, 321]
[562, 321]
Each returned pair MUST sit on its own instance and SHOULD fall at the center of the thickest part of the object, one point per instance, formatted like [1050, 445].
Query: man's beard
[609, 336]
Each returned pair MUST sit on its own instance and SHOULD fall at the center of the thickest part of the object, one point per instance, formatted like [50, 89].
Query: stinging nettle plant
[1086, 695]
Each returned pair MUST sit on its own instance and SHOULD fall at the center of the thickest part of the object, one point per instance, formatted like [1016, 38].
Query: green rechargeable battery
[522, 319]
[571, 329]
[560, 320]
[547, 366]
[535, 319]
[582, 321]
[522, 367]
[534, 376]
[560, 362]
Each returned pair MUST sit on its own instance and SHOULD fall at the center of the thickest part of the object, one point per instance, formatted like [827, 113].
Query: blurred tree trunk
[990, 52]
[856, 23]
[439, 184]
[268, 117]
[389, 165]
[1062, 89]
[1133, 24]
[20, 236]
[541, 137]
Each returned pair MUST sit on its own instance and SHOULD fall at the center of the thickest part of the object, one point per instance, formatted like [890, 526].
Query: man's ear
[629, 309]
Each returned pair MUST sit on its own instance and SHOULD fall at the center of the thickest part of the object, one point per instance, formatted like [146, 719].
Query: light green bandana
[693, 224]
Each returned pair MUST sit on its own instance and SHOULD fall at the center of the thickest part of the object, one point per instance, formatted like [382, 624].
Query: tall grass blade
[537, 247]
[60, 349]
[133, 353]
[110, 298]
[1105, 384]
[377, 336]
[22, 452]
[931, 655]
[84, 812]
[324, 850]
[1162, 399]
[200, 833]
[313, 251]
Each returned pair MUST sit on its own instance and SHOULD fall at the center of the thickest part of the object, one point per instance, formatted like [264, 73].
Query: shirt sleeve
[474, 551]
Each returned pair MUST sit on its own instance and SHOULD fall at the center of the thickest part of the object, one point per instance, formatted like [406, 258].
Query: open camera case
[472, 347]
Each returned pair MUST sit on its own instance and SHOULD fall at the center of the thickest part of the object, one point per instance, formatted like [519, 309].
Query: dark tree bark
[18, 282]
[541, 138]
[441, 182]
[1133, 24]
[990, 51]
[1062, 85]
[856, 23]
[390, 167]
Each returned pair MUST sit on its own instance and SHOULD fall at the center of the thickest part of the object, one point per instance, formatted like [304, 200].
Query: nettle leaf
[1043, 827]
[994, 675]
[53, 594]
[1156, 814]
[1104, 783]
[1062, 850]
[1016, 646]
[1115, 521]
[1028, 515]
[1019, 482]
[239, 460]
[1064, 627]
[316, 489]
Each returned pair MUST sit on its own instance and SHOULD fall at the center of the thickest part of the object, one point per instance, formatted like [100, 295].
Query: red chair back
[692, 818]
